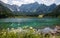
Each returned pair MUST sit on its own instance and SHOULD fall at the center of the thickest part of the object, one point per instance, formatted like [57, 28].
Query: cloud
[20, 2]
[5, 1]
[29, 1]
[48, 2]
[17, 3]
[39, 1]
[58, 3]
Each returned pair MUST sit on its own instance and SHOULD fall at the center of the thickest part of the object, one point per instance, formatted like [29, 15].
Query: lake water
[34, 22]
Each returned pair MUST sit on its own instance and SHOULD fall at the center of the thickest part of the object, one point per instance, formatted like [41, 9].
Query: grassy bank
[24, 33]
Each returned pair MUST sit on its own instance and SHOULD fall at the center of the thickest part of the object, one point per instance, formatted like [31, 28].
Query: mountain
[52, 7]
[36, 8]
[55, 12]
[43, 9]
[13, 7]
[31, 9]
[4, 11]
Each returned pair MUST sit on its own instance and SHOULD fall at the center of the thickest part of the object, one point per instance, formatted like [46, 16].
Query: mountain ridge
[31, 9]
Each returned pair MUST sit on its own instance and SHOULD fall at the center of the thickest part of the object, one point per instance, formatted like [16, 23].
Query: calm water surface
[34, 22]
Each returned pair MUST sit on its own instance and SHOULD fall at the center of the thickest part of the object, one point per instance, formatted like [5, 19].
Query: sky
[20, 2]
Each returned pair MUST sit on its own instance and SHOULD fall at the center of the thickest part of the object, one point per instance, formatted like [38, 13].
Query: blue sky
[20, 2]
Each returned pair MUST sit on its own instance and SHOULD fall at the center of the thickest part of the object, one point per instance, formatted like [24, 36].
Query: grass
[23, 33]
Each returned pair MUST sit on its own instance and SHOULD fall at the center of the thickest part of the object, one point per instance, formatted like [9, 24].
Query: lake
[34, 22]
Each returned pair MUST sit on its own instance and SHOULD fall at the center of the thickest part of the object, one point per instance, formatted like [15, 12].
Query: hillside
[55, 12]
[4, 11]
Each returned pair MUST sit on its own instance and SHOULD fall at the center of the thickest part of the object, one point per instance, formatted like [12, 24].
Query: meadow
[24, 33]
